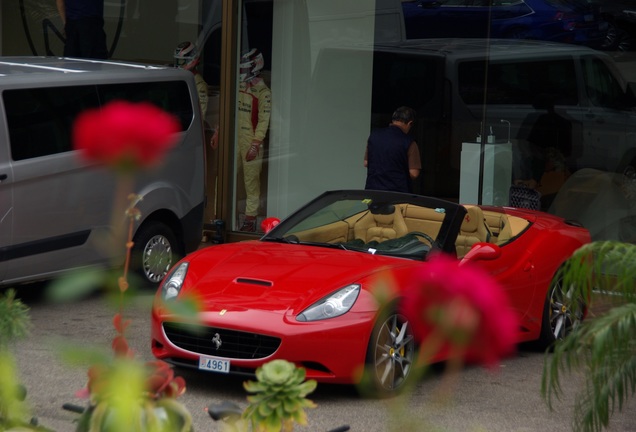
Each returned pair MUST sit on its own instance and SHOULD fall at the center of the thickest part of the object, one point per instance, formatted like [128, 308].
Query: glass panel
[320, 103]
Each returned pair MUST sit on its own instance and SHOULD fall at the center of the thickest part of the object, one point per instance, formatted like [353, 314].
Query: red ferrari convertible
[304, 291]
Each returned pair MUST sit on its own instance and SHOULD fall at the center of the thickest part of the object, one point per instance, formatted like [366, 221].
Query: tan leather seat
[505, 230]
[380, 227]
[473, 230]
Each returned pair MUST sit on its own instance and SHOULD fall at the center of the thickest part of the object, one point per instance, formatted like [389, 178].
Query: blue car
[566, 21]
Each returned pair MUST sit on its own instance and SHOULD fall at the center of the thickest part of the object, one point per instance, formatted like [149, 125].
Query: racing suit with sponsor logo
[254, 109]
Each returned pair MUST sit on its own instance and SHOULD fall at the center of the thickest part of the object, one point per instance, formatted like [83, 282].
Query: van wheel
[154, 252]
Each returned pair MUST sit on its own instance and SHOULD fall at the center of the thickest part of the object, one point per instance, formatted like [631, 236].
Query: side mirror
[483, 252]
[269, 223]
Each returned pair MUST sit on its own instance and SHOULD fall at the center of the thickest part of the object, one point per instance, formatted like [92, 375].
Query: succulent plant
[278, 397]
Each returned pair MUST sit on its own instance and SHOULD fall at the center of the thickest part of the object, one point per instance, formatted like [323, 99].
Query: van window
[603, 90]
[517, 83]
[40, 119]
[171, 96]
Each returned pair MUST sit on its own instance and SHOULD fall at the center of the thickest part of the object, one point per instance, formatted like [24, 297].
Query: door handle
[3, 177]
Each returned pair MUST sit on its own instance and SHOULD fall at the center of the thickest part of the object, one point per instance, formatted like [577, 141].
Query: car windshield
[384, 223]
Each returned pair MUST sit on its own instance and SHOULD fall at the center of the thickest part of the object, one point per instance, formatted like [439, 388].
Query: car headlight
[333, 305]
[174, 281]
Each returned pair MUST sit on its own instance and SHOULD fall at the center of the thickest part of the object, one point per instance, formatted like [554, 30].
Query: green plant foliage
[120, 401]
[14, 324]
[278, 397]
[12, 408]
[14, 318]
[603, 347]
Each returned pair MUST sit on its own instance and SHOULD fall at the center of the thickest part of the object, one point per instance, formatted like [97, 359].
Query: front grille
[234, 344]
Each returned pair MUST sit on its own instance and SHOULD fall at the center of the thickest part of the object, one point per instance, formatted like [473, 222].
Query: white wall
[321, 115]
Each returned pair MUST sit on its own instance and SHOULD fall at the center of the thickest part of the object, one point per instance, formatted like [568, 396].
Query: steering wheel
[426, 237]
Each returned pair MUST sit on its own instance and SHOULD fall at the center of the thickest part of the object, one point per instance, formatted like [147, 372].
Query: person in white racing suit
[254, 109]
[187, 57]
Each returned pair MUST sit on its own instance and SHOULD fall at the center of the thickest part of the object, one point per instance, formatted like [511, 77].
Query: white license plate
[214, 364]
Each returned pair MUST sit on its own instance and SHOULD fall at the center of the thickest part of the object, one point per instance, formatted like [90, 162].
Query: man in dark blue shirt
[392, 157]
[84, 28]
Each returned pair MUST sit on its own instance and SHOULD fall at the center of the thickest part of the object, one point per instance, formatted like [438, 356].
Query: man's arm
[415, 163]
[61, 10]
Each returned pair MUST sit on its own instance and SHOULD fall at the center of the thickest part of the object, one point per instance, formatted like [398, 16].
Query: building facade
[320, 83]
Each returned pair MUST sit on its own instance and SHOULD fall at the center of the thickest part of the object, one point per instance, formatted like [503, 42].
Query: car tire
[617, 39]
[560, 318]
[391, 355]
[155, 250]
[610, 43]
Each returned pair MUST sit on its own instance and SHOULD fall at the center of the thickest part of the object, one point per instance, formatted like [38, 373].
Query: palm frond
[606, 266]
[604, 349]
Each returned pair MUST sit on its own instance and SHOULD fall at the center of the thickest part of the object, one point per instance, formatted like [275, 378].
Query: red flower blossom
[120, 343]
[125, 135]
[162, 382]
[465, 307]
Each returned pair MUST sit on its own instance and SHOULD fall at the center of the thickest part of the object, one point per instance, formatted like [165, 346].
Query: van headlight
[333, 305]
[174, 281]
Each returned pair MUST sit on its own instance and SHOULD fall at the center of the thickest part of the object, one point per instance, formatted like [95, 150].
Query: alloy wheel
[157, 258]
[394, 353]
[563, 318]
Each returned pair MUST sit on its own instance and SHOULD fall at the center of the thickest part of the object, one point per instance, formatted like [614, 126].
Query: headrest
[472, 219]
[381, 208]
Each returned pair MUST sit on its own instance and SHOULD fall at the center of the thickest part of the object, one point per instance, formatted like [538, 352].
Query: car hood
[278, 277]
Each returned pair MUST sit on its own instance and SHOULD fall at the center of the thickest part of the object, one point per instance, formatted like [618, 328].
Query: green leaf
[265, 409]
[187, 308]
[307, 387]
[272, 423]
[76, 285]
[83, 355]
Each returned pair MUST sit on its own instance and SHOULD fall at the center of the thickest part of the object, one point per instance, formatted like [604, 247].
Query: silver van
[55, 209]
